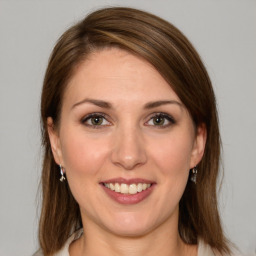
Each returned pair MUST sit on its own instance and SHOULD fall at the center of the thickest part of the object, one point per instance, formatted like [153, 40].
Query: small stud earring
[62, 178]
[193, 174]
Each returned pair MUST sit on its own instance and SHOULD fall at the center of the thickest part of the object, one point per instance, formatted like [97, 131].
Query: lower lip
[128, 198]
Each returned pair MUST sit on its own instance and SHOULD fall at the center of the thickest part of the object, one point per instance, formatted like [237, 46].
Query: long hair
[173, 56]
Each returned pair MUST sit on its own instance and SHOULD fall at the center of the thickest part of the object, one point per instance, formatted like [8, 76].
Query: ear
[55, 141]
[199, 145]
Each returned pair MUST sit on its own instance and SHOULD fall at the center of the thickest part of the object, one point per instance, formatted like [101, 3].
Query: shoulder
[38, 253]
[64, 251]
[206, 250]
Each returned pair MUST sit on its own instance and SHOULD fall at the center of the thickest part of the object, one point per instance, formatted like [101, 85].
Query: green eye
[161, 120]
[97, 120]
[158, 120]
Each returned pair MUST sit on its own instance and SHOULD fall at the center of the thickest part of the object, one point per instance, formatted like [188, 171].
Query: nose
[128, 149]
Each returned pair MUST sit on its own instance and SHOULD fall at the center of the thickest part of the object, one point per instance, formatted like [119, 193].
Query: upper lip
[128, 181]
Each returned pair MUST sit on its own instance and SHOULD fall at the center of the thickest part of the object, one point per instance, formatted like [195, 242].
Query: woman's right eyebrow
[99, 103]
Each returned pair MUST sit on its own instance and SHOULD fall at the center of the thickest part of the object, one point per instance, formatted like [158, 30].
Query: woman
[131, 139]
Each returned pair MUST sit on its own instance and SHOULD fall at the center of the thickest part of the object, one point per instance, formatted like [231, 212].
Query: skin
[129, 143]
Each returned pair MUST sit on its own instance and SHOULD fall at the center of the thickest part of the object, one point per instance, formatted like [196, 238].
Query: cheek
[83, 158]
[172, 155]
[83, 155]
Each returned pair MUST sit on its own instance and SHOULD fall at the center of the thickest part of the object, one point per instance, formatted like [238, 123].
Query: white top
[203, 249]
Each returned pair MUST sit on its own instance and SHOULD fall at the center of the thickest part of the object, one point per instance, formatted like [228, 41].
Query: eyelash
[93, 115]
[167, 117]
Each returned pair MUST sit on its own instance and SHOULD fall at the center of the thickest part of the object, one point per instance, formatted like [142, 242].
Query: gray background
[224, 34]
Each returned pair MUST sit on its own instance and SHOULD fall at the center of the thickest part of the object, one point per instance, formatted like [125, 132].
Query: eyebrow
[99, 103]
[155, 104]
[105, 104]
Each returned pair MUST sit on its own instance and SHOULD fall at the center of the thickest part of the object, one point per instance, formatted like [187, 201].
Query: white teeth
[117, 187]
[139, 187]
[124, 188]
[127, 189]
[132, 189]
[111, 186]
[144, 186]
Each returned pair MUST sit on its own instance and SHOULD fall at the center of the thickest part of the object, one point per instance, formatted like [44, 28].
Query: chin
[129, 231]
[130, 225]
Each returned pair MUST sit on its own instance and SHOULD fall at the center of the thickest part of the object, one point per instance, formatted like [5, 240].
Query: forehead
[115, 73]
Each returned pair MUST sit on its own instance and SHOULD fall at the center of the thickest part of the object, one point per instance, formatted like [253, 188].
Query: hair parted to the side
[169, 51]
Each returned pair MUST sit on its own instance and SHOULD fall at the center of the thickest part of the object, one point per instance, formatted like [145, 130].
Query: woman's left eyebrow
[155, 104]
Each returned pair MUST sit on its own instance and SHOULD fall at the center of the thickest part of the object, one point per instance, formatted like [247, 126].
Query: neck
[96, 241]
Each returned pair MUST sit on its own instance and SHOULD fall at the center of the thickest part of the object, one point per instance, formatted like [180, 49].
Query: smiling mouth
[131, 189]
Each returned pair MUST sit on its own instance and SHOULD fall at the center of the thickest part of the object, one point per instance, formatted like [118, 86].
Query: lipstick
[128, 191]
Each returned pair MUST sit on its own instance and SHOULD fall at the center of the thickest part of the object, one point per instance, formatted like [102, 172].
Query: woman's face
[126, 142]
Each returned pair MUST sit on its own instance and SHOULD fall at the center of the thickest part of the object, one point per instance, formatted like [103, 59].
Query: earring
[193, 174]
[62, 178]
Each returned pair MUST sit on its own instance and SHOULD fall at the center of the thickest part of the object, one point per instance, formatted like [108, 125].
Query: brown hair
[169, 51]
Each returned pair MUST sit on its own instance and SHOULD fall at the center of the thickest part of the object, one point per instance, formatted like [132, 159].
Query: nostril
[130, 160]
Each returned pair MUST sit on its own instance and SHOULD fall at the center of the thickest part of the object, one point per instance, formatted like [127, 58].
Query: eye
[161, 119]
[95, 119]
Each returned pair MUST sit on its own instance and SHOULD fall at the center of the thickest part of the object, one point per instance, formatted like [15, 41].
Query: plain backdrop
[224, 33]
